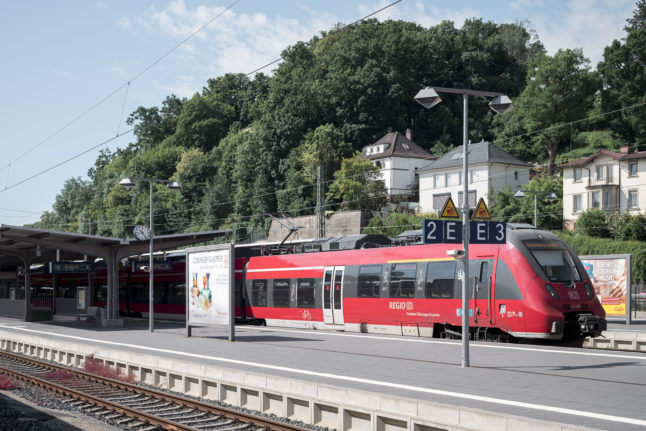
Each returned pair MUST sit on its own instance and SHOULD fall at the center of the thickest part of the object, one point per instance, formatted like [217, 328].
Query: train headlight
[589, 291]
[552, 291]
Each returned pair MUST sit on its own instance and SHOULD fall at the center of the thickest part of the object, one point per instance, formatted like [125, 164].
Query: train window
[281, 292]
[369, 281]
[439, 279]
[259, 293]
[305, 293]
[484, 272]
[402, 280]
[555, 260]
[327, 283]
[338, 279]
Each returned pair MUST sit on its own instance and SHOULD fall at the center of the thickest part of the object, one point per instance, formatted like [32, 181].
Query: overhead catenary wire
[125, 85]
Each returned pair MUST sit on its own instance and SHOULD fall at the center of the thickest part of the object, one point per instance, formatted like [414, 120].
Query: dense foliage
[587, 245]
[245, 147]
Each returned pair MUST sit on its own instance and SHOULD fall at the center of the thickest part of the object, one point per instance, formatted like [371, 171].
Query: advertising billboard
[210, 278]
[610, 275]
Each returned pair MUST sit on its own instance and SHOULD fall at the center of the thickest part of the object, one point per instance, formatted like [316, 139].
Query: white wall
[499, 176]
[398, 173]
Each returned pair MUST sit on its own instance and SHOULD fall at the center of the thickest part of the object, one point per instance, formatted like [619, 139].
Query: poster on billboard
[610, 275]
[209, 287]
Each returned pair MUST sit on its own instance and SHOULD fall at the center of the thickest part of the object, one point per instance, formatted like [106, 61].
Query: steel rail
[135, 389]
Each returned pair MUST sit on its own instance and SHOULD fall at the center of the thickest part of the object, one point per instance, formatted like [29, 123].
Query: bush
[586, 245]
[97, 367]
[626, 227]
[593, 222]
[8, 383]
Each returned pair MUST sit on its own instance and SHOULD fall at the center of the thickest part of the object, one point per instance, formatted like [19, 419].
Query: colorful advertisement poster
[208, 290]
[610, 277]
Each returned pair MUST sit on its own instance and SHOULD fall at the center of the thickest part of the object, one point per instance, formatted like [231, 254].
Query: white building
[399, 158]
[606, 180]
[489, 166]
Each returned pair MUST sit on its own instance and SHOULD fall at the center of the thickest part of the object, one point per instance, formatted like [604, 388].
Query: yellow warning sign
[449, 210]
[481, 212]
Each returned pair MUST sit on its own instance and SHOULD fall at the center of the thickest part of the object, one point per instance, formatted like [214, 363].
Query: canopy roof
[19, 245]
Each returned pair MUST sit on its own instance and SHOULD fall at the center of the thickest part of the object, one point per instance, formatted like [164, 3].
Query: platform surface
[598, 389]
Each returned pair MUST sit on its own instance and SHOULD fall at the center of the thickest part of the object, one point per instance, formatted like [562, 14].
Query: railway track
[131, 406]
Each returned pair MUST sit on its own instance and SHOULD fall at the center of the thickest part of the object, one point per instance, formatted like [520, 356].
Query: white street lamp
[129, 183]
[428, 98]
[548, 195]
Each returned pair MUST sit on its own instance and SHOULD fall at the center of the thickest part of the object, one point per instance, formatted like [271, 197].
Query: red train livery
[534, 286]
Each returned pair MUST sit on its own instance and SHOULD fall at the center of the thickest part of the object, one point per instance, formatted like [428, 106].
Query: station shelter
[22, 247]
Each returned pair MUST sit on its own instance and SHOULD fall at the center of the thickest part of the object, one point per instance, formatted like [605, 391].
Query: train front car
[559, 298]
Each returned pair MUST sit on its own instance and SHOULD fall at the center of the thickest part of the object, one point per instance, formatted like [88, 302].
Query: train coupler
[591, 325]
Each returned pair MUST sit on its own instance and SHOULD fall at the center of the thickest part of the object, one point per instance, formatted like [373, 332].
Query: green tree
[153, 125]
[623, 73]
[357, 185]
[627, 227]
[560, 90]
[593, 222]
[504, 206]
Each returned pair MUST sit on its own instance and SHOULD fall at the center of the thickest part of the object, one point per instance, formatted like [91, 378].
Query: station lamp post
[428, 98]
[129, 183]
[520, 194]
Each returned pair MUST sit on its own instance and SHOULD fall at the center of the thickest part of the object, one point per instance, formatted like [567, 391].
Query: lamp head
[457, 254]
[501, 104]
[174, 185]
[551, 197]
[427, 97]
[519, 194]
[126, 183]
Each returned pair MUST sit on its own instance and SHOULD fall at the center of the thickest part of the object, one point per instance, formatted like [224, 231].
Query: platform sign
[481, 212]
[449, 210]
[450, 232]
[487, 232]
[210, 282]
[70, 267]
[442, 232]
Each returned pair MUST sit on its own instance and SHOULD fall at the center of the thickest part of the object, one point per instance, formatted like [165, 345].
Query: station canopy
[22, 245]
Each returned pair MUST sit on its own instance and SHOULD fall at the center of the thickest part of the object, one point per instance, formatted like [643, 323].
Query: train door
[481, 290]
[333, 295]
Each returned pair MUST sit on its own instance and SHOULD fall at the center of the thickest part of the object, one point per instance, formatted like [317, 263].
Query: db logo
[574, 295]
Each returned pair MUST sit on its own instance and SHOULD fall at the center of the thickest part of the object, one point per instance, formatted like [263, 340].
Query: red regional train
[532, 287]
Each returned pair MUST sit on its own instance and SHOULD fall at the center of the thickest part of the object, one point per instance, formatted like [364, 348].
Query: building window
[633, 169]
[596, 199]
[516, 175]
[472, 176]
[576, 207]
[472, 199]
[601, 170]
[606, 200]
[436, 181]
[440, 200]
[578, 173]
[632, 199]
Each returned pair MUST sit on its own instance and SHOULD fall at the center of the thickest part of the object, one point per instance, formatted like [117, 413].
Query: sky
[73, 70]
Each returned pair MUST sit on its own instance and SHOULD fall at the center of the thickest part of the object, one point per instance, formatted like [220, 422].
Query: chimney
[409, 134]
[623, 149]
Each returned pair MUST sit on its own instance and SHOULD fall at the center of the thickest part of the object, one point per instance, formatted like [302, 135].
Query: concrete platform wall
[324, 405]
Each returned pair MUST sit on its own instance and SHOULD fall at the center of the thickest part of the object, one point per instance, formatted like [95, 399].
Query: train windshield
[555, 259]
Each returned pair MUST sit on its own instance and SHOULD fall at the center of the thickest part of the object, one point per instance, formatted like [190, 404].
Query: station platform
[361, 381]
[620, 336]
